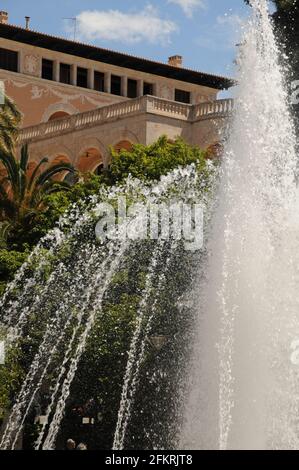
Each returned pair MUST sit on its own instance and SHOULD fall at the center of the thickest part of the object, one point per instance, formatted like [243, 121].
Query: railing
[145, 104]
[169, 108]
[214, 108]
[79, 121]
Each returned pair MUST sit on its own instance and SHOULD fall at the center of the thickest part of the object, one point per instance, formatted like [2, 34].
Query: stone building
[77, 100]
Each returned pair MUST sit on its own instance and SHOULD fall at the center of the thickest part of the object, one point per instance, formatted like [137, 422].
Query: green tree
[23, 194]
[155, 160]
[10, 119]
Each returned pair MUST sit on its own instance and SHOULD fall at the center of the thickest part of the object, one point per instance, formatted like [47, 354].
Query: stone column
[124, 86]
[107, 84]
[73, 74]
[140, 88]
[21, 61]
[90, 79]
[56, 71]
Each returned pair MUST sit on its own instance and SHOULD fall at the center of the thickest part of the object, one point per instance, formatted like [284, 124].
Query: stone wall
[85, 139]
[38, 98]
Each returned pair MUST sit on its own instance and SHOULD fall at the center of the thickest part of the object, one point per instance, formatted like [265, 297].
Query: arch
[58, 115]
[89, 160]
[60, 158]
[99, 149]
[66, 108]
[52, 151]
[125, 140]
[123, 145]
[126, 135]
[57, 153]
[99, 169]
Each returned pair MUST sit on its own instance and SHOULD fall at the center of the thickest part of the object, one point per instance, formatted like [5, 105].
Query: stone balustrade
[168, 108]
[212, 109]
[145, 104]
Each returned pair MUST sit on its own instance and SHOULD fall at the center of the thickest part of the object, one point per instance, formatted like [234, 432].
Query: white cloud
[189, 6]
[114, 25]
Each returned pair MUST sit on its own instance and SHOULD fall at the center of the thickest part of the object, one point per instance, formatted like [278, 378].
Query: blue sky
[204, 32]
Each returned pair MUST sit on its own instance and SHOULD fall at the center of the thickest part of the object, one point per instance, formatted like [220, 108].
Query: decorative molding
[37, 92]
[32, 65]
[166, 92]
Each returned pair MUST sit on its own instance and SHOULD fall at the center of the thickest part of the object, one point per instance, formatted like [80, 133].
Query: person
[81, 446]
[70, 444]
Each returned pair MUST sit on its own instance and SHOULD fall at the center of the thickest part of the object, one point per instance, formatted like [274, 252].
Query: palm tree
[21, 193]
[10, 119]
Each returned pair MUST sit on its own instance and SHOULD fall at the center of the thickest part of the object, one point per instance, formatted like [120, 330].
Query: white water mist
[244, 391]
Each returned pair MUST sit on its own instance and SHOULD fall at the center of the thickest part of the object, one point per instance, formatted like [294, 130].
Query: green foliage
[102, 366]
[10, 262]
[144, 162]
[10, 119]
[153, 161]
[11, 376]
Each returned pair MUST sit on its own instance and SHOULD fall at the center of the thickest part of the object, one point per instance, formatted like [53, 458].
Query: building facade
[77, 100]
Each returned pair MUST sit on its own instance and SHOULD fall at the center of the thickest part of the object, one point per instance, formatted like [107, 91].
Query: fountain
[58, 296]
[239, 379]
[243, 385]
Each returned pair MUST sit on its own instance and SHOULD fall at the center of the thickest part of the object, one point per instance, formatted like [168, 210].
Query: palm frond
[54, 170]
[8, 208]
[5, 228]
[35, 172]
[24, 158]
[11, 166]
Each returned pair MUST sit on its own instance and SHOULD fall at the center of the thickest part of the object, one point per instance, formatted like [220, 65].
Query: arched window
[90, 160]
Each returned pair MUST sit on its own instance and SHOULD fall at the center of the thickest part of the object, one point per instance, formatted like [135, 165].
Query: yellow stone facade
[79, 124]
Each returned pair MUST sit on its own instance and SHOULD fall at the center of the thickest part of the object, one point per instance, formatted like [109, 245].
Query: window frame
[182, 93]
[111, 85]
[101, 80]
[132, 92]
[82, 77]
[11, 61]
[147, 84]
[67, 67]
[43, 68]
